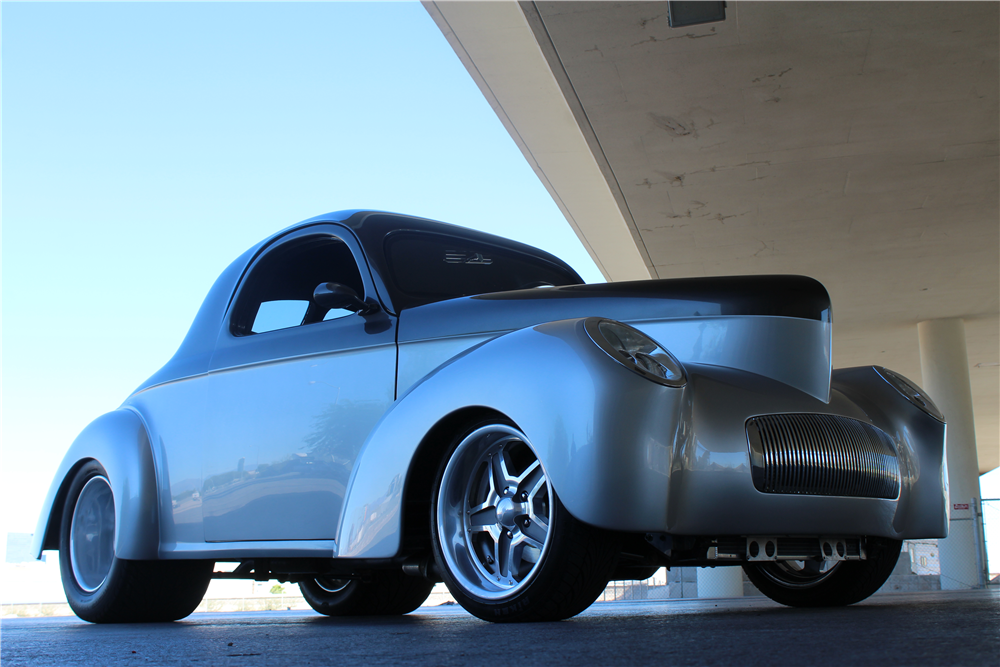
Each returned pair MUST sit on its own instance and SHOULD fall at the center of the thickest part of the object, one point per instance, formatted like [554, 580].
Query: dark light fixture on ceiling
[680, 14]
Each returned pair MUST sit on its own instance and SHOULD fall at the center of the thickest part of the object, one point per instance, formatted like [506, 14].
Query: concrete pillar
[720, 582]
[944, 363]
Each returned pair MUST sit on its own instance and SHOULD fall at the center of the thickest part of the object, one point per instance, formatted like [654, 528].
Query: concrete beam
[499, 49]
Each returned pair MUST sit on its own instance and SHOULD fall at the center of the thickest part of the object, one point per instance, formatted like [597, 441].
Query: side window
[277, 294]
[273, 315]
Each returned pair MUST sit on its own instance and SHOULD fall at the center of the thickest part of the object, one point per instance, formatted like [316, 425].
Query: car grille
[823, 455]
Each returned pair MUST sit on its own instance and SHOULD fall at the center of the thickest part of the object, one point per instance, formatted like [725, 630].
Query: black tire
[102, 588]
[803, 584]
[387, 593]
[547, 566]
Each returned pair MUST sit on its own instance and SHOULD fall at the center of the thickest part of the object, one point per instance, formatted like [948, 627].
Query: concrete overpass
[852, 142]
[856, 143]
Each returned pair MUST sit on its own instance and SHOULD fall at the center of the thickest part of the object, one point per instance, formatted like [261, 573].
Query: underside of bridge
[856, 143]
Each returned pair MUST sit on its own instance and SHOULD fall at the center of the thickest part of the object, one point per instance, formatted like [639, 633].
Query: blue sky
[146, 145]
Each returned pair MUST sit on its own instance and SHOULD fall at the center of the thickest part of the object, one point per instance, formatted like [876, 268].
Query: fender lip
[132, 474]
[46, 536]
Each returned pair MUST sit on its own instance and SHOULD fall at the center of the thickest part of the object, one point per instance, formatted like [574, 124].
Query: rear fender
[604, 435]
[119, 442]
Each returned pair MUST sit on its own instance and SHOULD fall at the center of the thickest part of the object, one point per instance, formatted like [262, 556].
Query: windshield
[433, 267]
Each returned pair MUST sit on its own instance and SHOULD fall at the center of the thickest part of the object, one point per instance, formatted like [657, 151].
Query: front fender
[604, 435]
[119, 442]
[922, 450]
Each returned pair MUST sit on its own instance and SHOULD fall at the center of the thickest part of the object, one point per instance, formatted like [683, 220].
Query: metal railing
[990, 523]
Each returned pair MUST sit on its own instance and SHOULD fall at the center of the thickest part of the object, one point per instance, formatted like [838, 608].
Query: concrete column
[944, 363]
[720, 582]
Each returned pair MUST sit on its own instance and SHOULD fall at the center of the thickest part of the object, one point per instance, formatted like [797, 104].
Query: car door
[294, 392]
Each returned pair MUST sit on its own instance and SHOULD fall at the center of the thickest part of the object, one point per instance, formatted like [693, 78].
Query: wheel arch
[50, 531]
[119, 442]
[423, 470]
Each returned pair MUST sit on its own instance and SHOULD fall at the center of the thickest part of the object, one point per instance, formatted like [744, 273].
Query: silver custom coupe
[368, 403]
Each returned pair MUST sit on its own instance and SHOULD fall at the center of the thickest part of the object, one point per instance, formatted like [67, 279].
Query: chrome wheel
[92, 534]
[799, 573]
[494, 512]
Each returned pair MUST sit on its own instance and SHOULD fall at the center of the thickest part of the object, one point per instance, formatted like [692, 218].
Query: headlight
[913, 393]
[636, 351]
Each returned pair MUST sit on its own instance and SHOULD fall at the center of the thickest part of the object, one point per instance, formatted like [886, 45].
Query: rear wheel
[386, 593]
[826, 583]
[102, 588]
[507, 548]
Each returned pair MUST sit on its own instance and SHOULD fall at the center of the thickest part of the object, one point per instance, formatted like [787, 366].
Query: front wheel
[825, 583]
[385, 593]
[102, 588]
[508, 549]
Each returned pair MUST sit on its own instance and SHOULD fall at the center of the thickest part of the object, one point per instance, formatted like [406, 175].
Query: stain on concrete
[726, 167]
[673, 126]
[765, 248]
[676, 180]
[772, 76]
[690, 35]
[644, 22]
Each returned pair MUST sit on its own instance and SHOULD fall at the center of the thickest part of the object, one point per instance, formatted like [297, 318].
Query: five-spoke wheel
[503, 539]
[494, 512]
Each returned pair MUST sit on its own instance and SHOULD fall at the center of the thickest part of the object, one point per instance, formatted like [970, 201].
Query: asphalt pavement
[938, 628]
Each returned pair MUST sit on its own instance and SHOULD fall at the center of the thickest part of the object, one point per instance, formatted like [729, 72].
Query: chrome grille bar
[823, 455]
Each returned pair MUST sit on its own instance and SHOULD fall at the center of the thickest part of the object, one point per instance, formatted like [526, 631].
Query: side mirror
[335, 295]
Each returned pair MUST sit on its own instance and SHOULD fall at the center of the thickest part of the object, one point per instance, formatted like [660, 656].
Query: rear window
[433, 267]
